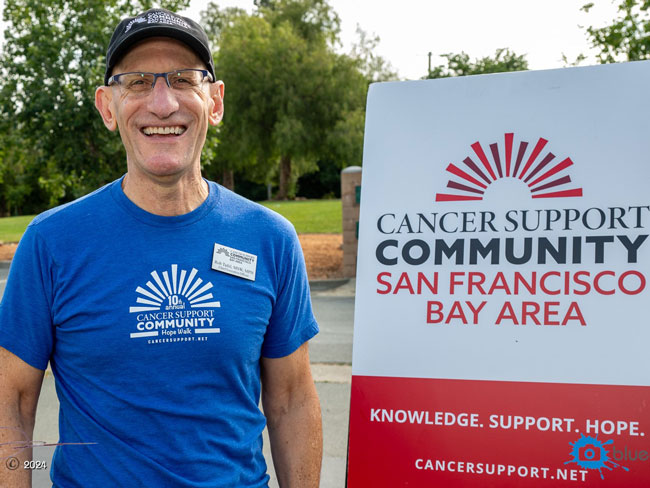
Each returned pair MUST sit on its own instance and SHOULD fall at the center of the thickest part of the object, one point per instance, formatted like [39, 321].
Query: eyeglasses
[140, 82]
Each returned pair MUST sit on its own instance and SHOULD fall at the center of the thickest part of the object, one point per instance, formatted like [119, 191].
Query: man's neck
[166, 197]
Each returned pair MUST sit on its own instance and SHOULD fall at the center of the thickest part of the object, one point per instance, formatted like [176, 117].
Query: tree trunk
[228, 179]
[285, 178]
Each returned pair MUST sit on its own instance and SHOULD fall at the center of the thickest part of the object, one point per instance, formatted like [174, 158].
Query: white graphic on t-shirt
[170, 293]
[177, 306]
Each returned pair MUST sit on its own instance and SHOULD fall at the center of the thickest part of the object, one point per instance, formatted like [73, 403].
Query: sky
[543, 30]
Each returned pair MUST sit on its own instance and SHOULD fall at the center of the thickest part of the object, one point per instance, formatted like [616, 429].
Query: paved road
[4, 271]
[331, 355]
[334, 342]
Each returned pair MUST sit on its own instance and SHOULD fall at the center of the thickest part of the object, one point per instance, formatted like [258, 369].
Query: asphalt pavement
[4, 271]
[331, 358]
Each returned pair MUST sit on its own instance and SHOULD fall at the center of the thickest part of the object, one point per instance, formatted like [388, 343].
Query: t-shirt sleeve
[292, 321]
[26, 327]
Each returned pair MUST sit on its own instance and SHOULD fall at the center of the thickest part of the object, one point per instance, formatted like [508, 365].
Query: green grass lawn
[308, 217]
[311, 216]
[12, 228]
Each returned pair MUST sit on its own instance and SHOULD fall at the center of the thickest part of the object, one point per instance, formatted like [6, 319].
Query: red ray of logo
[542, 174]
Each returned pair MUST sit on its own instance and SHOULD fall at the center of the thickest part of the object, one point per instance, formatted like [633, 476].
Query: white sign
[500, 324]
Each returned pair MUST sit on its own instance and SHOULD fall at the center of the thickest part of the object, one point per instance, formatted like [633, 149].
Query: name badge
[234, 262]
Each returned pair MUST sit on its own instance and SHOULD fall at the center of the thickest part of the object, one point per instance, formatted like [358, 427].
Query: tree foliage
[460, 64]
[55, 146]
[291, 100]
[293, 104]
[627, 38]
[373, 66]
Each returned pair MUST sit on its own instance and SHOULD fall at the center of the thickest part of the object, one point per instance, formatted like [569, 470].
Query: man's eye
[137, 83]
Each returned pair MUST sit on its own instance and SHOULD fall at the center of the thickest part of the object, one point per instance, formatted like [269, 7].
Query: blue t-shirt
[156, 355]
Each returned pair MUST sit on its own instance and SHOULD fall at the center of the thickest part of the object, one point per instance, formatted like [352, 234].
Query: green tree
[627, 38]
[289, 95]
[220, 161]
[374, 67]
[460, 64]
[52, 61]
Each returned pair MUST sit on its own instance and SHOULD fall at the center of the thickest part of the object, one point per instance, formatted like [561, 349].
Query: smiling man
[165, 304]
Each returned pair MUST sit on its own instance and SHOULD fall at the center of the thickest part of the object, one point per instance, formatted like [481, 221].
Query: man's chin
[163, 170]
[165, 165]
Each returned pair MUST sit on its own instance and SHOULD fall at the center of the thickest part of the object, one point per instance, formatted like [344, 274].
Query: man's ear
[103, 99]
[217, 90]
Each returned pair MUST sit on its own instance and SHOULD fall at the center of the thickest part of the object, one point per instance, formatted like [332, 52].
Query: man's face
[142, 118]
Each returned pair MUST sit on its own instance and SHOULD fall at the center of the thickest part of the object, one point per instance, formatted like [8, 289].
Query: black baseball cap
[157, 22]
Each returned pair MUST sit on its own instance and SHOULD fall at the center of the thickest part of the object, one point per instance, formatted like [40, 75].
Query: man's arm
[293, 416]
[20, 386]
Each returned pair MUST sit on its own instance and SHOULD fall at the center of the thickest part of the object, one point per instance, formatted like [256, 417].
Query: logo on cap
[158, 18]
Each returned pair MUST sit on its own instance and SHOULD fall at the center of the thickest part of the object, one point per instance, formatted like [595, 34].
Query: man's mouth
[175, 130]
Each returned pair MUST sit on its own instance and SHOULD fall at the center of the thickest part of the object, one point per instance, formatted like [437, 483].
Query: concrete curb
[324, 285]
[335, 288]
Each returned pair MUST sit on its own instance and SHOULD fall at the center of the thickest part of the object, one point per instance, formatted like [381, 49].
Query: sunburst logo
[175, 291]
[542, 176]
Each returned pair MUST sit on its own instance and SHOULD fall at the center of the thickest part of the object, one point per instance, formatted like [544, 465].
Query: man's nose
[162, 99]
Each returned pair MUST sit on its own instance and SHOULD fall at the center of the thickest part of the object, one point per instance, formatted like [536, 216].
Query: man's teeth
[163, 130]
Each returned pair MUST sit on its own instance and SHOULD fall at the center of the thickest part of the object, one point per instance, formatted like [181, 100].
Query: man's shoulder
[237, 208]
[75, 211]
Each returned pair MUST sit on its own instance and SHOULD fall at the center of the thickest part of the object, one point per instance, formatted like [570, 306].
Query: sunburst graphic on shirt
[543, 177]
[174, 291]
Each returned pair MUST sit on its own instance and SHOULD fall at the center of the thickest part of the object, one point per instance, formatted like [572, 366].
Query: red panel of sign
[427, 432]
